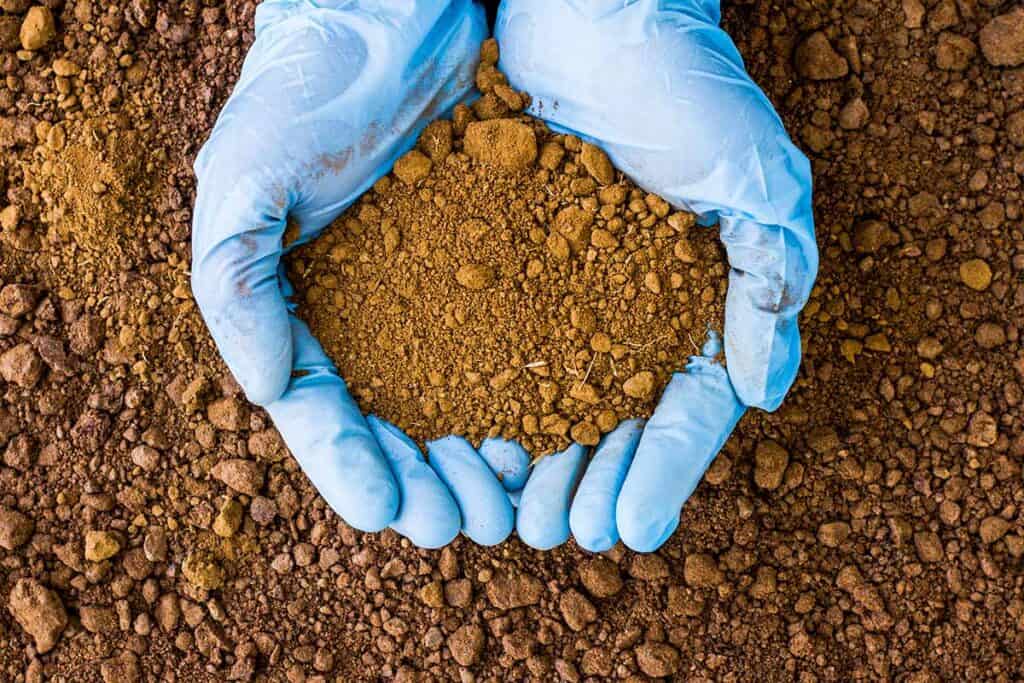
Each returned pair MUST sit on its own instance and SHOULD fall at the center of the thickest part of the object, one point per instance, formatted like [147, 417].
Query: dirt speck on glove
[508, 282]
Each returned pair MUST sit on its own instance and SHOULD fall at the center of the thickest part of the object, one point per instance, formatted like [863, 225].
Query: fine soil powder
[507, 281]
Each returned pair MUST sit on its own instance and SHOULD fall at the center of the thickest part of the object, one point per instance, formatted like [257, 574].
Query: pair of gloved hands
[334, 91]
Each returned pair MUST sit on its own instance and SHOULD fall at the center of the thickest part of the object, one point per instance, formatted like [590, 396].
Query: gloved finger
[427, 515]
[592, 515]
[487, 514]
[697, 413]
[330, 439]
[543, 518]
[508, 460]
[236, 250]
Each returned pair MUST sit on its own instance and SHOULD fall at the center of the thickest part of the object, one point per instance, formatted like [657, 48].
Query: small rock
[913, 13]
[459, 593]
[818, 60]
[701, 571]
[97, 619]
[597, 163]
[976, 274]
[982, 430]
[21, 365]
[832, 534]
[244, 476]
[145, 457]
[954, 52]
[15, 528]
[432, 595]
[507, 591]
[475, 276]
[39, 611]
[657, 660]
[871, 235]
[167, 612]
[501, 142]
[262, 510]
[601, 577]
[101, 545]
[928, 546]
[228, 519]
[123, 668]
[992, 529]
[229, 414]
[1002, 39]
[155, 544]
[436, 140]
[203, 571]
[38, 28]
[576, 610]
[649, 567]
[413, 167]
[86, 335]
[990, 335]
[854, 114]
[585, 433]
[639, 386]
[770, 462]
[466, 644]
[18, 300]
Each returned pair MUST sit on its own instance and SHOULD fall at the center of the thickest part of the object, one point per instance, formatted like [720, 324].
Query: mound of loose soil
[506, 281]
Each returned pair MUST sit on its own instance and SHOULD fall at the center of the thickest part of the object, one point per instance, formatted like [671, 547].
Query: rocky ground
[152, 527]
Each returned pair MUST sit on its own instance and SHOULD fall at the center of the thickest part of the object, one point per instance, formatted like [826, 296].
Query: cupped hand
[662, 89]
[331, 93]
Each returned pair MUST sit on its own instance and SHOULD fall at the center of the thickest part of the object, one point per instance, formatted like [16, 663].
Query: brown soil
[505, 281]
[869, 530]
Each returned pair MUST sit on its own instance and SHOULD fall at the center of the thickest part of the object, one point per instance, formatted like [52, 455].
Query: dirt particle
[38, 28]
[15, 528]
[601, 577]
[413, 167]
[21, 365]
[976, 274]
[203, 571]
[992, 529]
[816, 59]
[701, 571]
[511, 591]
[244, 476]
[1002, 39]
[145, 457]
[770, 462]
[436, 140]
[640, 385]
[229, 414]
[505, 143]
[101, 545]
[928, 546]
[833, 534]
[657, 660]
[577, 611]
[467, 644]
[39, 611]
[475, 276]
[585, 433]
[597, 164]
[228, 519]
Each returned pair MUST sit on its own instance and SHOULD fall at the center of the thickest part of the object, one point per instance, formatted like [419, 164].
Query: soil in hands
[507, 281]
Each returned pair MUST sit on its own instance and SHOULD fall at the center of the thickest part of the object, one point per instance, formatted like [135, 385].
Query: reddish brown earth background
[152, 526]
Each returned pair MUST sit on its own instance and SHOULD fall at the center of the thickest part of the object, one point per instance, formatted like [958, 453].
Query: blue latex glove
[662, 89]
[331, 93]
